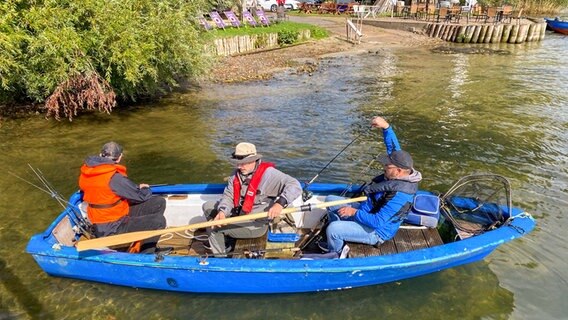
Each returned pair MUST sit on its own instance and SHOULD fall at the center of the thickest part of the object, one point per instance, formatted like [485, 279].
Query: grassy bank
[283, 27]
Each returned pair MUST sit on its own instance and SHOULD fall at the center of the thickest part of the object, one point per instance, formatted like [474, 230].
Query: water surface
[456, 114]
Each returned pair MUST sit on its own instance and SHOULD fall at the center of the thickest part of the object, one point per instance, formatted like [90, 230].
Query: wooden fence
[248, 43]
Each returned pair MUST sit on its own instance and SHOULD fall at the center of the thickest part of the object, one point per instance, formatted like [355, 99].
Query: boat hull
[217, 275]
[557, 25]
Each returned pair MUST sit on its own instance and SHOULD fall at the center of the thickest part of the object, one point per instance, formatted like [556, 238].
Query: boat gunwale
[454, 251]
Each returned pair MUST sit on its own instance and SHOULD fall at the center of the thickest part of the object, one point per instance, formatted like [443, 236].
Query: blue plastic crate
[283, 237]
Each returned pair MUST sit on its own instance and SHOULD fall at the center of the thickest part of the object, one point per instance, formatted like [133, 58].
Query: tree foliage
[132, 47]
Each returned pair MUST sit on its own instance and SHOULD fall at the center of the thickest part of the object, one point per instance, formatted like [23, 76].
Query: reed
[533, 7]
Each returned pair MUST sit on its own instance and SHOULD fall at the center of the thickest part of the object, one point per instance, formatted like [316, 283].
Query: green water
[456, 114]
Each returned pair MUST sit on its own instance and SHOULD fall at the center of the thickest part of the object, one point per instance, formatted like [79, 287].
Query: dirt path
[304, 57]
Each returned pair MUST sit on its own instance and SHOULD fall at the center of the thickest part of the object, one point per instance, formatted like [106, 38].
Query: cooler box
[425, 211]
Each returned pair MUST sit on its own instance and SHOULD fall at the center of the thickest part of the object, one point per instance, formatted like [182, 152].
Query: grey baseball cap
[111, 150]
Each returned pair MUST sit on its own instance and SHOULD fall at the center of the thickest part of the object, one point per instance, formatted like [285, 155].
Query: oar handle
[141, 235]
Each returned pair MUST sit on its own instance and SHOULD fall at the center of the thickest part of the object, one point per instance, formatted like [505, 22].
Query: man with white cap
[390, 197]
[255, 186]
[115, 204]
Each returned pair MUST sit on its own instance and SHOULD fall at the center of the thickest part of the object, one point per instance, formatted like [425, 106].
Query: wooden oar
[141, 235]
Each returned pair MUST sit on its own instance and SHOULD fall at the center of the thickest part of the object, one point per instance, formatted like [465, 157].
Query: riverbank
[304, 57]
[301, 58]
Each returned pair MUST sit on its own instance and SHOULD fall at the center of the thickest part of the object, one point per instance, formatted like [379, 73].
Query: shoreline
[304, 57]
[300, 58]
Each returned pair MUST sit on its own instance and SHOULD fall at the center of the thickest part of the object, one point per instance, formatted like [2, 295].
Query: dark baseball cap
[399, 158]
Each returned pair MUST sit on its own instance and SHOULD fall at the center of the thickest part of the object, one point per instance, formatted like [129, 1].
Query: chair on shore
[430, 13]
[491, 14]
[204, 23]
[249, 18]
[444, 14]
[413, 11]
[477, 12]
[398, 11]
[232, 17]
[216, 17]
[262, 18]
[506, 13]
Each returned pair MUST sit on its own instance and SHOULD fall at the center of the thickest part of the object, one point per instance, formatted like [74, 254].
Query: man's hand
[220, 216]
[144, 186]
[345, 212]
[275, 211]
[379, 122]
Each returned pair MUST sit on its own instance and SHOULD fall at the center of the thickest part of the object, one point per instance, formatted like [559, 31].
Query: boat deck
[405, 240]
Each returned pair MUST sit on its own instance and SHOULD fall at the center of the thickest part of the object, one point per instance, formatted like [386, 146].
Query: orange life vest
[104, 205]
[251, 190]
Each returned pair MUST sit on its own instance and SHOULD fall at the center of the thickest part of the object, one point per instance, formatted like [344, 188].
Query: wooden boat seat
[252, 244]
[404, 240]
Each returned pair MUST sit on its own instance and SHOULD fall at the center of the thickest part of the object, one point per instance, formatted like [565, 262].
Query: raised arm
[389, 137]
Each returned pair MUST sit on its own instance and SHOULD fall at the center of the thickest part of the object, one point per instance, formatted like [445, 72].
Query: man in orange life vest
[255, 186]
[115, 203]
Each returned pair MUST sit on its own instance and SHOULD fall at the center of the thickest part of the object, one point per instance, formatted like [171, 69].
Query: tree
[131, 48]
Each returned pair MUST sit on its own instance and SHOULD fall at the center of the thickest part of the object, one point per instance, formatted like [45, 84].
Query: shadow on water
[25, 299]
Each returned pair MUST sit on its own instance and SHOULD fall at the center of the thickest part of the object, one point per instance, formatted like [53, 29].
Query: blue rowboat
[557, 25]
[192, 270]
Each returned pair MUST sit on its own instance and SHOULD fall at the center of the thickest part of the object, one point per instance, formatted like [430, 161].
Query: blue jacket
[389, 200]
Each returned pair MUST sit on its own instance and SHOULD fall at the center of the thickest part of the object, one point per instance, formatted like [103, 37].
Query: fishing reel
[307, 195]
[254, 254]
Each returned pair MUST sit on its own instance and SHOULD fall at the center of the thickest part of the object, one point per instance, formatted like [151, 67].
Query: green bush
[140, 47]
[287, 37]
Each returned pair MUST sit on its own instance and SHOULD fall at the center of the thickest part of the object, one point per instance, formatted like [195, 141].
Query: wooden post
[542, 30]
[523, 30]
[469, 34]
[514, 33]
[476, 32]
[461, 34]
[530, 34]
[488, 34]
[482, 34]
[497, 32]
[506, 33]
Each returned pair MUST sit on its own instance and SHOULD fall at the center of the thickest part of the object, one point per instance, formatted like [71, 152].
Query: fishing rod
[306, 194]
[76, 217]
[365, 183]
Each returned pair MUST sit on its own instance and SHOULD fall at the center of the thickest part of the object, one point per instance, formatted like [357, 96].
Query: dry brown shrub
[81, 91]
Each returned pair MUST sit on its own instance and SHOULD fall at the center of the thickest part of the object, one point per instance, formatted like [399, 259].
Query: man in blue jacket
[390, 197]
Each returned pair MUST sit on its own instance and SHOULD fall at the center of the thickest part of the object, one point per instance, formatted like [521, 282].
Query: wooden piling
[542, 30]
[497, 33]
[482, 34]
[514, 33]
[460, 34]
[523, 30]
[468, 34]
[488, 34]
[506, 33]
[476, 33]
[438, 30]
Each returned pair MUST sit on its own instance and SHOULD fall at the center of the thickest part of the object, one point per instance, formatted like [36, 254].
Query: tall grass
[534, 7]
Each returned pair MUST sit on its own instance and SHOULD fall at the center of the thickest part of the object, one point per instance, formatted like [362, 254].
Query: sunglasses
[237, 157]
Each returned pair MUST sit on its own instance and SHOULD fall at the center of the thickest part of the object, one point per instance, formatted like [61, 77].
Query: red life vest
[252, 187]
[104, 205]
